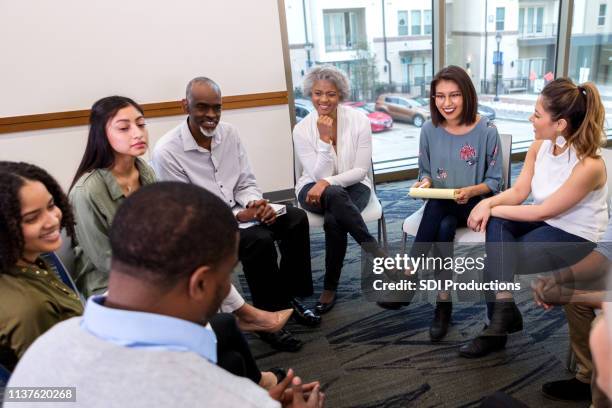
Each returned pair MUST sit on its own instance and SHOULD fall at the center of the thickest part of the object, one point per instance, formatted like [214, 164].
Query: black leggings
[233, 352]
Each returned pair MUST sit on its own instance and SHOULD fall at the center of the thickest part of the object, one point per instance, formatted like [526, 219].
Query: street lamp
[498, 61]
[308, 47]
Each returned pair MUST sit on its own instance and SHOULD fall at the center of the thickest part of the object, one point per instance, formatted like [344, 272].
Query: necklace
[28, 263]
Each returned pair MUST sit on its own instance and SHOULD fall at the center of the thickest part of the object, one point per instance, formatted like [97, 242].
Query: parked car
[483, 110]
[486, 111]
[379, 121]
[302, 108]
[403, 107]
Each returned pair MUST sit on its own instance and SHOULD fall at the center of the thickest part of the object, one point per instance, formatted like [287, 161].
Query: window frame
[412, 25]
[499, 21]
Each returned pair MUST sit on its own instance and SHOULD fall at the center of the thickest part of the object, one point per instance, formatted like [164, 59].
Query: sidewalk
[520, 107]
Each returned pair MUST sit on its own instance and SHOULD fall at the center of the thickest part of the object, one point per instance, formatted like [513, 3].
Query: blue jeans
[341, 209]
[441, 219]
[519, 247]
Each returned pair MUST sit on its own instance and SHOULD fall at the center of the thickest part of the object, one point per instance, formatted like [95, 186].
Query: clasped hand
[259, 210]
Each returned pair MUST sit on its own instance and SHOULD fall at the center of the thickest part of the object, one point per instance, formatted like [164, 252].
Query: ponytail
[582, 109]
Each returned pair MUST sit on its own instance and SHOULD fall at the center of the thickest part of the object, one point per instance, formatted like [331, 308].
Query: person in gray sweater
[148, 342]
[460, 150]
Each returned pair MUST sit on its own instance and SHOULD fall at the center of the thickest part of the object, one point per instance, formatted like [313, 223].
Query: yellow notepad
[439, 193]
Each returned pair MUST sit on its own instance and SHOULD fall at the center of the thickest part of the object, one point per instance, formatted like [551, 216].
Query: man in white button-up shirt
[206, 152]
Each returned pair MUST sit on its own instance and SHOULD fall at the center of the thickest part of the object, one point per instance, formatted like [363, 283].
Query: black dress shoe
[280, 373]
[567, 390]
[392, 305]
[482, 345]
[303, 315]
[442, 318]
[282, 340]
[322, 308]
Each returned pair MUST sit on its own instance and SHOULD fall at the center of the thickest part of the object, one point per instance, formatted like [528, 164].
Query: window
[590, 56]
[539, 19]
[351, 38]
[500, 14]
[416, 22]
[402, 23]
[532, 21]
[526, 58]
[427, 22]
[344, 30]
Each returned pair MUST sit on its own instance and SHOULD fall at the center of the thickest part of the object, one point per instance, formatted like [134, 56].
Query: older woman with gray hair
[334, 146]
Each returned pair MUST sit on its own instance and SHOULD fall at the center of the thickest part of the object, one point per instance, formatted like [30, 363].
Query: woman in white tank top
[567, 179]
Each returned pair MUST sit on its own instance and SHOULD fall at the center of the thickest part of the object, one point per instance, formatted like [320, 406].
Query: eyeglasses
[441, 98]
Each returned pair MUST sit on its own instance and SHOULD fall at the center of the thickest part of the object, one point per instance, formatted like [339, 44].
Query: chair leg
[384, 232]
[404, 239]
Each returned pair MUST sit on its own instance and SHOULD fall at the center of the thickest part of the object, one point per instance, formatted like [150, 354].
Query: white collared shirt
[224, 170]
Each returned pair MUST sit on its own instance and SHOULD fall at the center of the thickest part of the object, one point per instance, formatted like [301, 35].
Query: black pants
[341, 209]
[439, 225]
[233, 352]
[272, 287]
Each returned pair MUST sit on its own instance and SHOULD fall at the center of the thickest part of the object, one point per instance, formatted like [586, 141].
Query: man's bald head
[200, 81]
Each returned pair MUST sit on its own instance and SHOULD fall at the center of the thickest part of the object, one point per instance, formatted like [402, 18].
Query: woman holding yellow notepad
[459, 152]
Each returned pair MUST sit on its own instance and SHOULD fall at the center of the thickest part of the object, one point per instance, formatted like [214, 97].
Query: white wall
[265, 131]
[66, 54]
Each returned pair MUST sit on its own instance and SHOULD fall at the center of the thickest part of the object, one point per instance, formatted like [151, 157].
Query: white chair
[372, 212]
[606, 154]
[464, 234]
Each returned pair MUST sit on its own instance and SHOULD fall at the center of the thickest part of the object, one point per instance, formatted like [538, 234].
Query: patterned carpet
[366, 356]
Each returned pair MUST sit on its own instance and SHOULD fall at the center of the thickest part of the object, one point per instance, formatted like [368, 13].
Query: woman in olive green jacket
[33, 210]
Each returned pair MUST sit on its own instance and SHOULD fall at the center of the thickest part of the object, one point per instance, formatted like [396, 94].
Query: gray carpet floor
[366, 356]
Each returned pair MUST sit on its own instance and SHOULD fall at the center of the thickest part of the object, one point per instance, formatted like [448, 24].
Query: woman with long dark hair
[111, 170]
[33, 210]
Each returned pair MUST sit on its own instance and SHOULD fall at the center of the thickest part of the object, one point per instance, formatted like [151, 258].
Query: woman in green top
[33, 210]
[110, 171]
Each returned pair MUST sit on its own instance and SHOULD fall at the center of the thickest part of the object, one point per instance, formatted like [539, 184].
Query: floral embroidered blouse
[455, 161]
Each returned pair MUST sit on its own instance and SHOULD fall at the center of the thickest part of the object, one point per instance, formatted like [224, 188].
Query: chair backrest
[62, 272]
[606, 154]
[4, 377]
[66, 253]
[506, 148]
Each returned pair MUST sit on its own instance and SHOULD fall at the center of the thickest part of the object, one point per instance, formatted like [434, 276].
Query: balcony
[527, 32]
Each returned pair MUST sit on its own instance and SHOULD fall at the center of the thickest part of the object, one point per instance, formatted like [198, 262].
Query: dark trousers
[233, 352]
[441, 218]
[529, 247]
[272, 287]
[341, 209]
[519, 247]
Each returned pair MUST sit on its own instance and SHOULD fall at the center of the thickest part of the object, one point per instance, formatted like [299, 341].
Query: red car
[379, 121]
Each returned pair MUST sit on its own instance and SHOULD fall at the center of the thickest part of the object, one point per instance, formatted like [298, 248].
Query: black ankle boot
[441, 320]
[506, 319]
[483, 345]
[567, 390]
